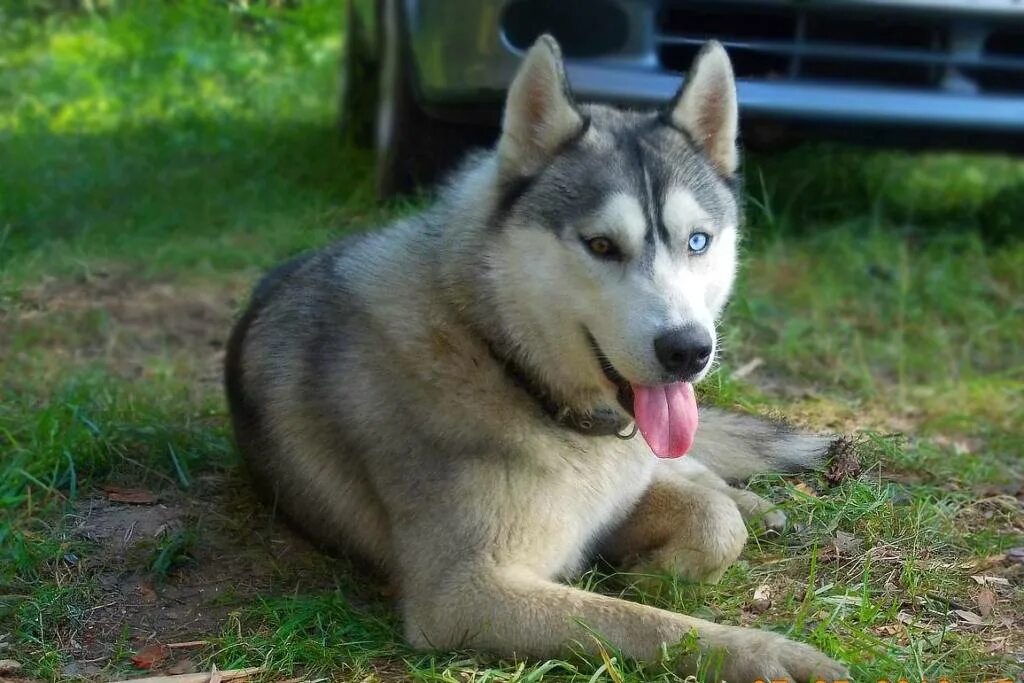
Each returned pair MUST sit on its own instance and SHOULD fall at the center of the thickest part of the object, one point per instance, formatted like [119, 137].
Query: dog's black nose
[684, 351]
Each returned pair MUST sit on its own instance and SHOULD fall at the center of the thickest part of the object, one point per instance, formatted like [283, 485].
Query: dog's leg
[514, 612]
[679, 527]
[754, 508]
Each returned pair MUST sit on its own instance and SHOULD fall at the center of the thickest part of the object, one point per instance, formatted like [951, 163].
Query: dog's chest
[568, 492]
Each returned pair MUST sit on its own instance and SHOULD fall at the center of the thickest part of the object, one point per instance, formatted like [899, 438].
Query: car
[424, 79]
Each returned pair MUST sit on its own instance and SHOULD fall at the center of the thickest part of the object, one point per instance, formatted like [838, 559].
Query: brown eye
[603, 248]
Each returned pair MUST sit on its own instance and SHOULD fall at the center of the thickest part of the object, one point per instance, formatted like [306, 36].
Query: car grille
[847, 44]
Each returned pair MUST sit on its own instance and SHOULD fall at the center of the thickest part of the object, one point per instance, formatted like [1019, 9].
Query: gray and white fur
[371, 396]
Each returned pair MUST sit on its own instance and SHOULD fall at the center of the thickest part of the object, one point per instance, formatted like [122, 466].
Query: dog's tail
[737, 446]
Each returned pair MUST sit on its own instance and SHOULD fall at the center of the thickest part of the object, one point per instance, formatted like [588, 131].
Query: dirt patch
[174, 566]
[132, 326]
[180, 569]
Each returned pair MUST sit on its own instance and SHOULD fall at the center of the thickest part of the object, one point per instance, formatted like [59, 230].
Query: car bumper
[469, 62]
[808, 102]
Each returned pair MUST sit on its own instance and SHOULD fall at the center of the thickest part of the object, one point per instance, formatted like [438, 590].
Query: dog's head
[618, 230]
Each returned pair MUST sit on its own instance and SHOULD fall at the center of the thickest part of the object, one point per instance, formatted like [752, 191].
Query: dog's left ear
[706, 107]
[540, 115]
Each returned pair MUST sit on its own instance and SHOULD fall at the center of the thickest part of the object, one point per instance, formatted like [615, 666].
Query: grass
[157, 156]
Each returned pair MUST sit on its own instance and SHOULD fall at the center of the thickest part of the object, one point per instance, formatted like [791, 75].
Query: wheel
[413, 149]
[378, 106]
[357, 110]
[407, 141]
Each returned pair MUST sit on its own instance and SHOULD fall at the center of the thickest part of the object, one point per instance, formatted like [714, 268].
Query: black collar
[599, 422]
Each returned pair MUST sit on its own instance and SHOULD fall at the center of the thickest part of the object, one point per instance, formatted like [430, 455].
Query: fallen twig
[205, 677]
[747, 368]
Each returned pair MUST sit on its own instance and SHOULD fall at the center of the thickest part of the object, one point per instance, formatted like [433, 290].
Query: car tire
[359, 81]
[413, 149]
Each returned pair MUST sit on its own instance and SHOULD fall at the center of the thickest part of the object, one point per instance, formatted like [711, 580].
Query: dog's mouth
[665, 414]
[623, 389]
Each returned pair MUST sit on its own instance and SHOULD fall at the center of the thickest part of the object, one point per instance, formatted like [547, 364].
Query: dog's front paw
[774, 520]
[758, 511]
[760, 655]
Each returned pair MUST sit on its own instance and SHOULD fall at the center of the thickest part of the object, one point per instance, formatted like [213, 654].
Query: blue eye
[699, 242]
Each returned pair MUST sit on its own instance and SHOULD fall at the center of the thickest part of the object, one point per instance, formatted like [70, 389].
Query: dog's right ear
[706, 107]
[540, 115]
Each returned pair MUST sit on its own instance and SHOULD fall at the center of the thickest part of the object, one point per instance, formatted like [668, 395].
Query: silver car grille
[933, 49]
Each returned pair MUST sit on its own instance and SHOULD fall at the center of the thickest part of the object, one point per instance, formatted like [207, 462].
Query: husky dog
[451, 398]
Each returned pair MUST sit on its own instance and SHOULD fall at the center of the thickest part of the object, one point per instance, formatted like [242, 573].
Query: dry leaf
[184, 666]
[762, 599]
[117, 494]
[150, 656]
[997, 645]
[990, 580]
[844, 463]
[843, 545]
[215, 676]
[846, 545]
[986, 601]
[146, 593]
[987, 562]
[804, 488]
[969, 617]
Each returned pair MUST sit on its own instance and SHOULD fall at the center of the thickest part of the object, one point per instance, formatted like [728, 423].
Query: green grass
[156, 156]
[127, 134]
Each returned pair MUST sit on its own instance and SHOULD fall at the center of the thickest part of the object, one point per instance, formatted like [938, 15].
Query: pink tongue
[667, 417]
